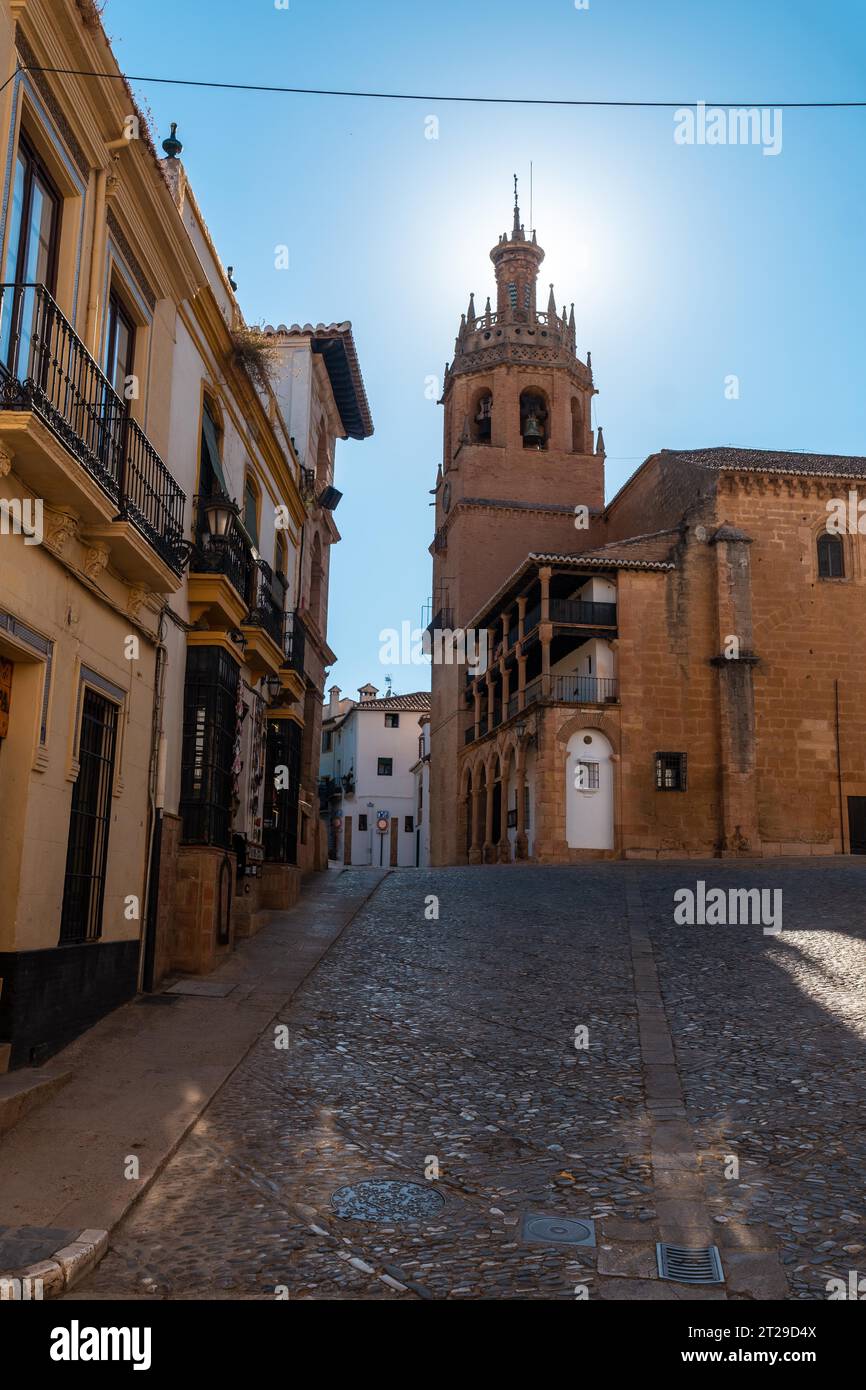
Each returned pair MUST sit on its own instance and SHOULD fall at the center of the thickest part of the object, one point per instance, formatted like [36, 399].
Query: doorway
[857, 824]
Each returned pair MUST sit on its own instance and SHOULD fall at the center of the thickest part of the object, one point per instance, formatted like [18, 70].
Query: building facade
[674, 673]
[163, 557]
[421, 773]
[367, 777]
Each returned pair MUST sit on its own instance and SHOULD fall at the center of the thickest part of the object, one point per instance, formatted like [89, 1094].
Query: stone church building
[677, 672]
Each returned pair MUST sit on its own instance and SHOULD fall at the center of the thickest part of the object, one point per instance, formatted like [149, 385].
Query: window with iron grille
[87, 849]
[362, 821]
[385, 767]
[209, 718]
[409, 825]
[671, 772]
[392, 721]
[282, 790]
[586, 777]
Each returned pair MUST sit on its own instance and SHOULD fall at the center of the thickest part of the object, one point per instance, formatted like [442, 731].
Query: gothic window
[831, 557]
[533, 420]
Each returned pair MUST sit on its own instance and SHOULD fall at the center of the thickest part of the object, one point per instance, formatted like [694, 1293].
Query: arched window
[533, 420]
[212, 481]
[831, 557]
[576, 426]
[316, 576]
[251, 508]
[281, 563]
[481, 418]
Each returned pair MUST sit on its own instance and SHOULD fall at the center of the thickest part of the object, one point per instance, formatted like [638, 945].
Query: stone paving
[448, 1046]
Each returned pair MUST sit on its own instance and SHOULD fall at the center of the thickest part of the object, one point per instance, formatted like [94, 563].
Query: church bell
[532, 430]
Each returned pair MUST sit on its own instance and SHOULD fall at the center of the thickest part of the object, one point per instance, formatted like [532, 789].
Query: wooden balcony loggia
[75, 445]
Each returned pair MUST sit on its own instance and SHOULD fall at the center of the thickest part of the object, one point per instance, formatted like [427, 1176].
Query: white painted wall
[589, 812]
[357, 746]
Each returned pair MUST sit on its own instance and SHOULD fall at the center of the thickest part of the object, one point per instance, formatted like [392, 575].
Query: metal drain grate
[557, 1230]
[703, 1266]
[383, 1199]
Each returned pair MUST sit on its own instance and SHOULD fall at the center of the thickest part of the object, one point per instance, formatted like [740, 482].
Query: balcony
[533, 618]
[220, 578]
[76, 446]
[584, 690]
[294, 648]
[263, 627]
[582, 612]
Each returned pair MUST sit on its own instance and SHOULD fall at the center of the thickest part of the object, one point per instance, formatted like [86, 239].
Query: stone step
[22, 1091]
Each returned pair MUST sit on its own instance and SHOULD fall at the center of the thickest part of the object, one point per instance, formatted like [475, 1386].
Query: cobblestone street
[451, 1042]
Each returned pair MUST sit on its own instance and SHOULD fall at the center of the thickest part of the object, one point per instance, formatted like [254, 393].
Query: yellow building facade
[155, 582]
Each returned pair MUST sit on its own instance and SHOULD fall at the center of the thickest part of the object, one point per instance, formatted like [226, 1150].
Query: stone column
[489, 847]
[544, 576]
[521, 844]
[521, 617]
[735, 662]
[521, 683]
[504, 788]
[475, 847]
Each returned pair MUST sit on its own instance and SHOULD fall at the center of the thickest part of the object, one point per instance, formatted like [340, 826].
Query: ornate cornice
[43, 86]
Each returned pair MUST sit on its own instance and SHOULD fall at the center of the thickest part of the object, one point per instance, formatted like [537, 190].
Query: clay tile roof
[650, 552]
[336, 343]
[772, 461]
[420, 700]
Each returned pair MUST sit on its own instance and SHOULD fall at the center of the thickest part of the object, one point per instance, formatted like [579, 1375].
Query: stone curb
[61, 1270]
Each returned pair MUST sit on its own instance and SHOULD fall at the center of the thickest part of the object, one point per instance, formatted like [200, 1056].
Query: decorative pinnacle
[172, 145]
[517, 230]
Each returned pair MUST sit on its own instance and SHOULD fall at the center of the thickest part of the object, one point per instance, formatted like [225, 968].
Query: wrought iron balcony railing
[584, 690]
[295, 643]
[583, 611]
[45, 367]
[228, 555]
[265, 612]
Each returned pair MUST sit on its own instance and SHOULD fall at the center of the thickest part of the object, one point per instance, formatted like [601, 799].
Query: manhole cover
[557, 1230]
[382, 1199]
[703, 1266]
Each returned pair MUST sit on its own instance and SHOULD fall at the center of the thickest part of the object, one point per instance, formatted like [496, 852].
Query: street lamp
[219, 514]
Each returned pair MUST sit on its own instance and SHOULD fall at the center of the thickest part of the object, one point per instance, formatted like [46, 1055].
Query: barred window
[671, 772]
[362, 821]
[586, 776]
[209, 718]
[409, 825]
[392, 721]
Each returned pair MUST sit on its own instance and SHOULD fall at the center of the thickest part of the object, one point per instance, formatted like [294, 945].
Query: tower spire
[517, 230]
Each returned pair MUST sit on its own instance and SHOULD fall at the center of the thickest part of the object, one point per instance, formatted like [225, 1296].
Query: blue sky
[686, 264]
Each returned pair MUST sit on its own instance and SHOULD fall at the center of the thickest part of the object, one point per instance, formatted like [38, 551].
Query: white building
[421, 773]
[367, 790]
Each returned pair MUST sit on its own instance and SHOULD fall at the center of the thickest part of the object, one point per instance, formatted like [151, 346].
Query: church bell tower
[519, 456]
